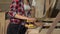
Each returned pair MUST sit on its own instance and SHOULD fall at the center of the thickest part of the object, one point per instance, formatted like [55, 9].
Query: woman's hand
[31, 20]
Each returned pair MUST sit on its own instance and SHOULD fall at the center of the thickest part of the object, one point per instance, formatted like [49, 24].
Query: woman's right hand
[31, 20]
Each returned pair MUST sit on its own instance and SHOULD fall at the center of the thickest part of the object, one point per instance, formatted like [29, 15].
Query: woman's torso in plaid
[17, 6]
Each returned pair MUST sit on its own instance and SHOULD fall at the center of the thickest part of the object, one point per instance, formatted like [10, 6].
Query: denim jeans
[16, 29]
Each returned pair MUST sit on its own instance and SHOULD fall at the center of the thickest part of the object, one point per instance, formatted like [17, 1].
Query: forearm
[20, 16]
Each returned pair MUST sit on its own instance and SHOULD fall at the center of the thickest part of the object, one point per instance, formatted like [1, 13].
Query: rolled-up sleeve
[12, 14]
[17, 6]
[13, 9]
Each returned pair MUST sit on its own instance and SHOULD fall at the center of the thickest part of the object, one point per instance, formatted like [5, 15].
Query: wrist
[27, 18]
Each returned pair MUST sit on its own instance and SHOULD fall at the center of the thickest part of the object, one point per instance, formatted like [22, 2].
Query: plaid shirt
[16, 7]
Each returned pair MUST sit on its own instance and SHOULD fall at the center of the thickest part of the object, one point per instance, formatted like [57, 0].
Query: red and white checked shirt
[17, 6]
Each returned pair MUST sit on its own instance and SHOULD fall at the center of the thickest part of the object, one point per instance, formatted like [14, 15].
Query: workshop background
[46, 11]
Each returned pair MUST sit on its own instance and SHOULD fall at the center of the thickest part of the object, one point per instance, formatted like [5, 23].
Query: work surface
[43, 31]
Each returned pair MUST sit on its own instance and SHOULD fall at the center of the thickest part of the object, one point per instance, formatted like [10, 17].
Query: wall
[4, 5]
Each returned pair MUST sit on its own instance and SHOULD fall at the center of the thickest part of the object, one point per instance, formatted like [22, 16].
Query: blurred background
[46, 10]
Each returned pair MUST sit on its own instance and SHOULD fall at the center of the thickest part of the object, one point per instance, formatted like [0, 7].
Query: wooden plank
[52, 7]
[54, 24]
[56, 31]
[48, 6]
[49, 19]
[39, 8]
[6, 25]
[2, 21]
[49, 24]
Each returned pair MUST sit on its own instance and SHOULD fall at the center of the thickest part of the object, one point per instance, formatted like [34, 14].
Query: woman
[17, 15]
